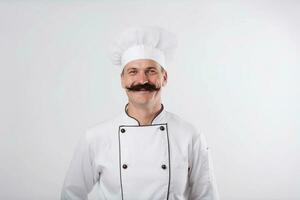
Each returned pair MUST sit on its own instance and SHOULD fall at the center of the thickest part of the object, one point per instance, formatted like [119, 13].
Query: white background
[235, 77]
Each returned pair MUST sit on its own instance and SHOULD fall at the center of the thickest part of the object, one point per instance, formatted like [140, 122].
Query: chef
[145, 153]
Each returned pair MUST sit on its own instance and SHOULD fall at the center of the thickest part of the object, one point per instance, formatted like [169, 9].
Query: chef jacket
[167, 160]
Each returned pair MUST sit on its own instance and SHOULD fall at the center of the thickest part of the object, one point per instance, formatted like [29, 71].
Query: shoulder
[183, 126]
[102, 128]
[186, 131]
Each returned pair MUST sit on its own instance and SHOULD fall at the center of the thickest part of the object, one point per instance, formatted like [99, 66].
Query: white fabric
[104, 149]
[150, 42]
[143, 52]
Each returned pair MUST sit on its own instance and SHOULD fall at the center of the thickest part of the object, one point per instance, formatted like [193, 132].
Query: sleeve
[201, 179]
[81, 175]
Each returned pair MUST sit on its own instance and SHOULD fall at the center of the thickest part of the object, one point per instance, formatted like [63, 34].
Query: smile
[144, 91]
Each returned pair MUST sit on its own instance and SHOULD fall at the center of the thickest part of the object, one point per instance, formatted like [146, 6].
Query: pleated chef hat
[149, 42]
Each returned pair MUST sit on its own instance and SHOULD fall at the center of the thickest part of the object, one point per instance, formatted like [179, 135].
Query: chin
[141, 99]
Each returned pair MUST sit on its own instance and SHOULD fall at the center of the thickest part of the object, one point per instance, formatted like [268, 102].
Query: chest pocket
[144, 162]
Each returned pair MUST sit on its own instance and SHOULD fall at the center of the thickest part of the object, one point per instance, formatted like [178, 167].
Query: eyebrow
[135, 68]
[151, 67]
[130, 68]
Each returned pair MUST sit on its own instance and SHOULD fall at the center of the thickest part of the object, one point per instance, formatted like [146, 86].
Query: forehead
[141, 64]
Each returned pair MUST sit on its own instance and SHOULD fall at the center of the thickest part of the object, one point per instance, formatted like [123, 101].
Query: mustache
[143, 87]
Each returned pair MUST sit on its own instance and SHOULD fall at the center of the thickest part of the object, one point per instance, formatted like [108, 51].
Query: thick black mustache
[143, 87]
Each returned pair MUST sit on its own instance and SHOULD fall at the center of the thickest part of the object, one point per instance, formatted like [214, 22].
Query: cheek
[159, 82]
[126, 82]
[122, 83]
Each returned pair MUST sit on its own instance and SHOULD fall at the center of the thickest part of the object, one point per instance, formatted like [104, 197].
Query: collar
[159, 118]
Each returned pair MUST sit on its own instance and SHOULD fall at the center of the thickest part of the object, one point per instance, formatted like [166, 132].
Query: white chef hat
[149, 42]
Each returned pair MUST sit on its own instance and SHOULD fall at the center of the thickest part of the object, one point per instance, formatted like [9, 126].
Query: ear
[165, 78]
[122, 80]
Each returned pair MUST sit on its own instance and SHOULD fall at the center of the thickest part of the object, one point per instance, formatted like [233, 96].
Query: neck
[144, 114]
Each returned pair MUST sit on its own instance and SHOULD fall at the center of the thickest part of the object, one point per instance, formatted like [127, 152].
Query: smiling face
[143, 79]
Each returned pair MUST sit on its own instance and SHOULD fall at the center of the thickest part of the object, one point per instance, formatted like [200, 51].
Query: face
[143, 79]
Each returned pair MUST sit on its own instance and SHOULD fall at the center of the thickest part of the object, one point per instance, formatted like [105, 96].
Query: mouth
[143, 91]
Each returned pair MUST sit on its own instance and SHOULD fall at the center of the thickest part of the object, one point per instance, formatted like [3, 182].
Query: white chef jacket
[167, 160]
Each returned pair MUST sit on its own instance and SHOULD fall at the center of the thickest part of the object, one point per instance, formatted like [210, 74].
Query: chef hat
[143, 43]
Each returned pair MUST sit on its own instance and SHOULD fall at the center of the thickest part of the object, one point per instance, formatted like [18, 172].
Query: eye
[151, 71]
[132, 72]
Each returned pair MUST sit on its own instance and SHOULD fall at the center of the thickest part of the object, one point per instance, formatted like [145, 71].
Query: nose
[142, 78]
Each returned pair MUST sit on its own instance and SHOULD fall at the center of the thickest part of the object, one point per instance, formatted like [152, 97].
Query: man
[146, 153]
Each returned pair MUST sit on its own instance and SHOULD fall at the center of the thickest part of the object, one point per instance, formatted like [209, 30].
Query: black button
[124, 166]
[164, 166]
[162, 128]
[122, 130]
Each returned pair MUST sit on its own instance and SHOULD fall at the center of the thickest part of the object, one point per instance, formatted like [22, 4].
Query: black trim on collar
[161, 109]
[130, 116]
[124, 125]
